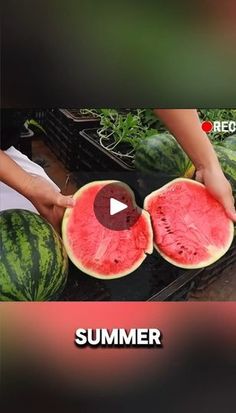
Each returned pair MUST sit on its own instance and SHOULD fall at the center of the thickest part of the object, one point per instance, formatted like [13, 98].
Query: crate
[63, 136]
[75, 116]
[194, 279]
[39, 115]
[92, 156]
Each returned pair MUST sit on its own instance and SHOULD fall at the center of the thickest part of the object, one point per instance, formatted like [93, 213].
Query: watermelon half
[99, 251]
[191, 229]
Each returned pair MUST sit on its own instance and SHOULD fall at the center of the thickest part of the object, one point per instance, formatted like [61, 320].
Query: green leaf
[33, 122]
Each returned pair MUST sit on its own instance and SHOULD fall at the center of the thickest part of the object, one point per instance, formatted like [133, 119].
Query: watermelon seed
[116, 261]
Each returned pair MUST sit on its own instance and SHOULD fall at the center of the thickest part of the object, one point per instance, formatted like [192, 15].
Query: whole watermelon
[162, 154]
[34, 264]
[230, 143]
[227, 159]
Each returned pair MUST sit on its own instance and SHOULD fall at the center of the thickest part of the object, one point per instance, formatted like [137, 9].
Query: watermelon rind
[144, 214]
[214, 253]
[34, 263]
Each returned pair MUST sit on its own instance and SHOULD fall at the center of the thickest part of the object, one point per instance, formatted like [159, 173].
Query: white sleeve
[11, 199]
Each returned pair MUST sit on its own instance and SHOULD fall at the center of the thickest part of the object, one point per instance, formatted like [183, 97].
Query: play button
[115, 206]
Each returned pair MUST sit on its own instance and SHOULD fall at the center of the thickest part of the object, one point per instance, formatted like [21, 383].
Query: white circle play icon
[116, 206]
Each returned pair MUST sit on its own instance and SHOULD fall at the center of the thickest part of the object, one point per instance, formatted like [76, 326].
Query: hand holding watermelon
[219, 187]
[186, 128]
[47, 200]
[42, 193]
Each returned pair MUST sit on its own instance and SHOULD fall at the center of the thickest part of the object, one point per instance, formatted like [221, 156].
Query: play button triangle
[116, 206]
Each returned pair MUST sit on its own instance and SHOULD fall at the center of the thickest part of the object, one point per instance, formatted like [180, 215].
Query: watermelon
[230, 143]
[162, 154]
[100, 251]
[227, 159]
[34, 264]
[191, 229]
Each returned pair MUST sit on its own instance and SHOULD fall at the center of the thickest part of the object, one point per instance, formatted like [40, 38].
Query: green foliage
[134, 125]
[217, 114]
[148, 118]
[130, 127]
[33, 122]
[122, 130]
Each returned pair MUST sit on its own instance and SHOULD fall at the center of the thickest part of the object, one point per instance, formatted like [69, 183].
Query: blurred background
[43, 370]
[93, 54]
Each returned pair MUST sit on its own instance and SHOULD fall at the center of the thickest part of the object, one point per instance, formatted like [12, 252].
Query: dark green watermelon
[162, 154]
[34, 264]
[230, 143]
[227, 160]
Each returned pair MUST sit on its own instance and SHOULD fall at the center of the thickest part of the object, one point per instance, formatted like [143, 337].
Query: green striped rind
[33, 264]
[162, 153]
[230, 143]
[227, 160]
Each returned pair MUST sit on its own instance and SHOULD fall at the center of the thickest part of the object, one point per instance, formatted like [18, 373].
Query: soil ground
[222, 289]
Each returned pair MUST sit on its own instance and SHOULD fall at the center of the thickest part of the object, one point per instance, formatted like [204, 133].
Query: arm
[49, 202]
[186, 127]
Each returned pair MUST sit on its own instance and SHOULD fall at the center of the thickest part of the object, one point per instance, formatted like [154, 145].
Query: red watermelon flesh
[97, 250]
[191, 229]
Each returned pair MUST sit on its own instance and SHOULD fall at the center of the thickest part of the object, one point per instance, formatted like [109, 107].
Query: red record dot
[207, 126]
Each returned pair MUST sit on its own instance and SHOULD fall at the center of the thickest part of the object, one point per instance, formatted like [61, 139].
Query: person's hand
[49, 202]
[219, 187]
